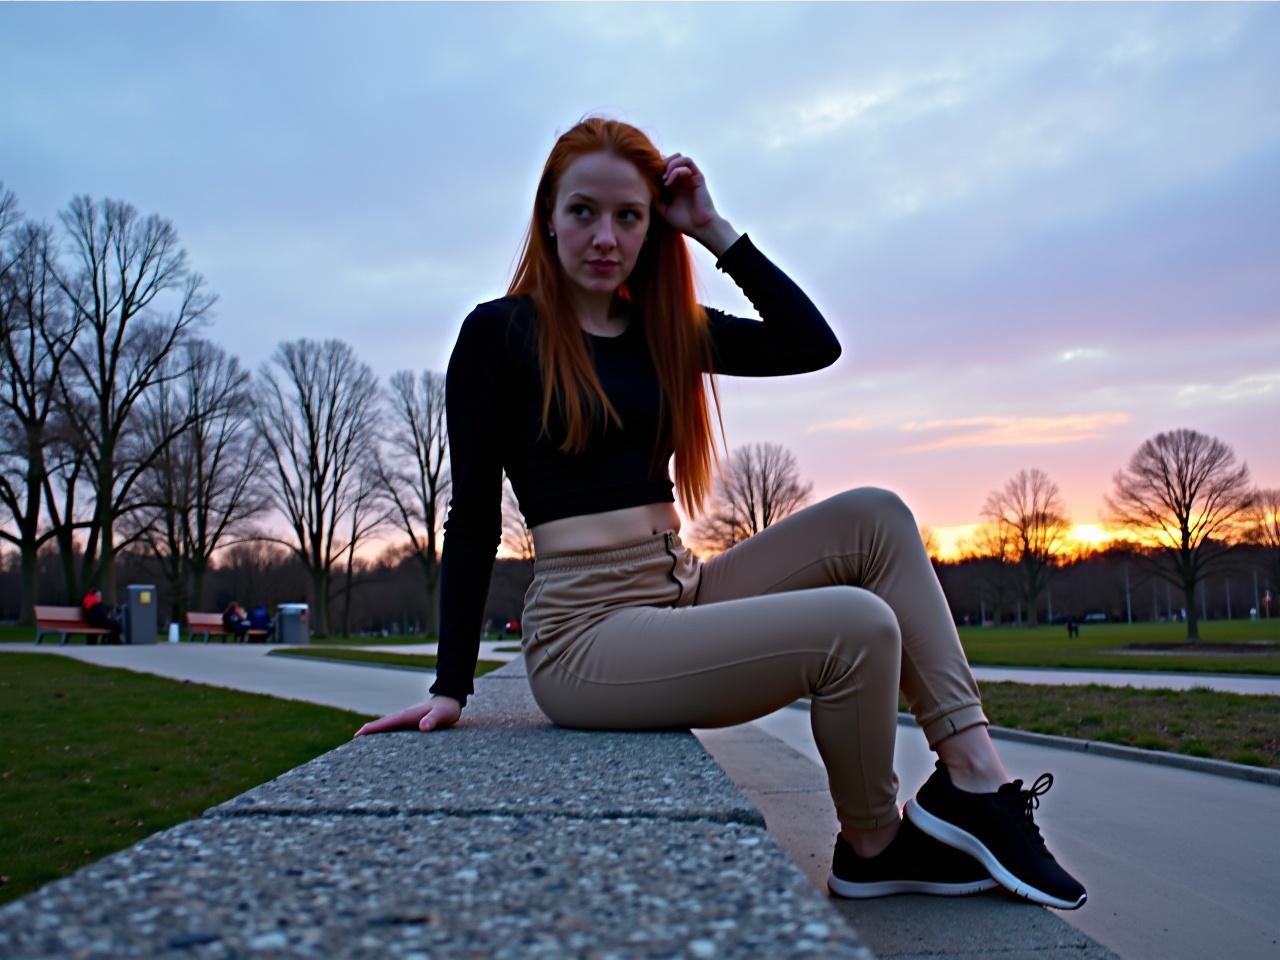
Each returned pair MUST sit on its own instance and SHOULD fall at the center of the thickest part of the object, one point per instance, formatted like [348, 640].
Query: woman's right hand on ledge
[434, 714]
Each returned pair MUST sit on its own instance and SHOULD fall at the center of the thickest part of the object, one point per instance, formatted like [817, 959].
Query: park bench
[64, 621]
[211, 623]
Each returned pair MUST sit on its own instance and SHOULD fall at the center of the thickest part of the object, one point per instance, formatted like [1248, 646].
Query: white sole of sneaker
[953, 836]
[888, 888]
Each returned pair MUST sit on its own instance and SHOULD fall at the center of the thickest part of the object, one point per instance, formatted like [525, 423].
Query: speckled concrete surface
[434, 886]
[503, 838]
[507, 757]
[530, 770]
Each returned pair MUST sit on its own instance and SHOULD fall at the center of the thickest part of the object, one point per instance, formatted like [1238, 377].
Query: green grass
[1048, 646]
[1202, 723]
[421, 661]
[373, 641]
[94, 759]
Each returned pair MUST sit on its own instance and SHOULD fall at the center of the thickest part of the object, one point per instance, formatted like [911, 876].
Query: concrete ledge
[504, 838]
[508, 758]
[435, 886]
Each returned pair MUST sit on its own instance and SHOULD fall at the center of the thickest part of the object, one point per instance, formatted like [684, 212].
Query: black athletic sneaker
[912, 863]
[998, 829]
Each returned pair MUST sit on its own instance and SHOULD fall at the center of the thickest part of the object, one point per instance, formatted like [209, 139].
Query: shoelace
[1026, 801]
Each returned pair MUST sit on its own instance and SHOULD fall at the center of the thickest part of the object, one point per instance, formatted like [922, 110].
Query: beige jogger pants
[837, 602]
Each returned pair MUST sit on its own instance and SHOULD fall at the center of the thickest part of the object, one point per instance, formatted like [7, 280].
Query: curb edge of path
[1159, 758]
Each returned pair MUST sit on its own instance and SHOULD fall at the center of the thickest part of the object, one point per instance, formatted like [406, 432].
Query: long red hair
[661, 286]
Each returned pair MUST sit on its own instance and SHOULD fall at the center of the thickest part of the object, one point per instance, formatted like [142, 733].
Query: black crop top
[493, 400]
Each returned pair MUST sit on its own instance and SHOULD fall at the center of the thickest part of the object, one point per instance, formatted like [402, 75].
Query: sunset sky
[1042, 232]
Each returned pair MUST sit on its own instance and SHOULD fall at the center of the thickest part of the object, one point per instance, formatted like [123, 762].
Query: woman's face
[600, 216]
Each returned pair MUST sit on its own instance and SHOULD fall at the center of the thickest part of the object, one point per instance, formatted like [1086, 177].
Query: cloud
[1012, 431]
[1247, 387]
[846, 423]
[1082, 353]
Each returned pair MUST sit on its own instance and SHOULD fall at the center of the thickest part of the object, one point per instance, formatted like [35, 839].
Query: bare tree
[365, 516]
[202, 488]
[35, 335]
[413, 475]
[991, 548]
[515, 532]
[124, 269]
[758, 487]
[1183, 498]
[1264, 529]
[929, 537]
[317, 419]
[1030, 511]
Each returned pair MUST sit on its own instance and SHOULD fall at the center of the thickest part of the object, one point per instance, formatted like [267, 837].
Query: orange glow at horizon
[1092, 536]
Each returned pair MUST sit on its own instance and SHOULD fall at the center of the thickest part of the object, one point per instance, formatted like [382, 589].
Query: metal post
[1128, 597]
[1226, 581]
[1257, 603]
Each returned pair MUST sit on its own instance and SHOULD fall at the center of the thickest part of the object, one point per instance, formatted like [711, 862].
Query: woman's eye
[579, 210]
[631, 215]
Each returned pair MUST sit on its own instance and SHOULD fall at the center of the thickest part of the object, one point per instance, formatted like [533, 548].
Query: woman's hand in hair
[434, 714]
[686, 205]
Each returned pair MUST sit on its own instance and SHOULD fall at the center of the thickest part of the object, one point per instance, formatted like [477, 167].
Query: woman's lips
[602, 266]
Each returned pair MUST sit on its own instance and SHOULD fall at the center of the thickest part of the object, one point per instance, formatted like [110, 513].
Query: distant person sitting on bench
[234, 621]
[97, 614]
[260, 619]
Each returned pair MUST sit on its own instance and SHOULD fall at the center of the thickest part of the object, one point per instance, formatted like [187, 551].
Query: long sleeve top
[493, 402]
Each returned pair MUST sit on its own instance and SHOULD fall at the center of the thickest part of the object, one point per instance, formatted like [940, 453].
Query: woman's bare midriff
[597, 531]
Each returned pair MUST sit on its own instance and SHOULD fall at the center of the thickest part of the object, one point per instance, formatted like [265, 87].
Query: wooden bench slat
[64, 621]
[211, 624]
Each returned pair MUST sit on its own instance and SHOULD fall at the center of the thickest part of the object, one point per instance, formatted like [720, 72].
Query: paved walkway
[1227, 683]
[1147, 679]
[1178, 864]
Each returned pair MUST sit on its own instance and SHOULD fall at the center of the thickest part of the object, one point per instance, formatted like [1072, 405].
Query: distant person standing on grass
[582, 383]
[97, 614]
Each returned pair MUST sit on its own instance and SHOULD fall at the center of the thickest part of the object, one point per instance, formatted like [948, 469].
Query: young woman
[582, 383]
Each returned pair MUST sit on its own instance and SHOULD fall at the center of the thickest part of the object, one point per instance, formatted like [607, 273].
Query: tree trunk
[65, 539]
[1193, 622]
[346, 602]
[197, 585]
[319, 603]
[27, 604]
[431, 577]
[433, 608]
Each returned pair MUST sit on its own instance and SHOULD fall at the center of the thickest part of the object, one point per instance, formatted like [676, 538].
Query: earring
[551, 233]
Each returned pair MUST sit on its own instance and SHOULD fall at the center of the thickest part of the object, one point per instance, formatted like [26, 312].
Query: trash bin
[140, 613]
[291, 623]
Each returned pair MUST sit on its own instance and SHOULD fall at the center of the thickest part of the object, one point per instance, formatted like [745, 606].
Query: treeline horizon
[129, 445]
[387, 593]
